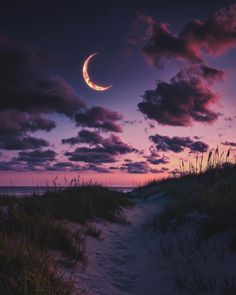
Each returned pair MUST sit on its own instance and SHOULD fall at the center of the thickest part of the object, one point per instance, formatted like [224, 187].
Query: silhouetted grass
[78, 204]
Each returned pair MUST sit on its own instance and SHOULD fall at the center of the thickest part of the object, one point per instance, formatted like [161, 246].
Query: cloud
[141, 167]
[159, 171]
[85, 136]
[151, 125]
[103, 150]
[22, 87]
[180, 102]
[15, 125]
[99, 117]
[36, 157]
[27, 97]
[199, 146]
[177, 144]
[132, 122]
[62, 166]
[98, 169]
[212, 36]
[211, 74]
[136, 167]
[13, 166]
[158, 161]
[88, 155]
[228, 143]
[22, 143]
[155, 158]
[69, 166]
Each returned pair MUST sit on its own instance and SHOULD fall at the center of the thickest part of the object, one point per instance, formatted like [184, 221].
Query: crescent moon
[87, 79]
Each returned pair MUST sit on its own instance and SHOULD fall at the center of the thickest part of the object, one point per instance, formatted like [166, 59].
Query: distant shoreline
[29, 190]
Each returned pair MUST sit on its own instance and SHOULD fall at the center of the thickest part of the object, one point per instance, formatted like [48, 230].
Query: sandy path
[125, 260]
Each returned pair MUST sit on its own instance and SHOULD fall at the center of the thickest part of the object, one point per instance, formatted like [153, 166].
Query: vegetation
[211, 193]
[197, 227]
[35, 230]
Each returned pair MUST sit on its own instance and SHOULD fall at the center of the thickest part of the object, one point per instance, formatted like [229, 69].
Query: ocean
[40, 190]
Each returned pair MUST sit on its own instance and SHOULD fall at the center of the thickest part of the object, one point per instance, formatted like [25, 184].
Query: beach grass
[210, 192]
[36, 229]
[197, 225]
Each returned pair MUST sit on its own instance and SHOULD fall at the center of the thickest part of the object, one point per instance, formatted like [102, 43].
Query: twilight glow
[173, 72]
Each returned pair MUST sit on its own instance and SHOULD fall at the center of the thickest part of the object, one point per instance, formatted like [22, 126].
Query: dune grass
[25, 270]
[209, 192]
[33, 229]
[89, 202]
[212, 193]
[197, 227]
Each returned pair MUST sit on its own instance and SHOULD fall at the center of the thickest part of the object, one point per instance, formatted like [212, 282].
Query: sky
[172, 68]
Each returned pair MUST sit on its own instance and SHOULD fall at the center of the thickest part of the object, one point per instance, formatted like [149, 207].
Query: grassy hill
[42, 234]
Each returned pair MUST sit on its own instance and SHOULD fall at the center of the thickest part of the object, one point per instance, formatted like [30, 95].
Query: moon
[87, 79]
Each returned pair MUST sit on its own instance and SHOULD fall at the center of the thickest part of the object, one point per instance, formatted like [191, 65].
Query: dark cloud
[98, 169]
[36, 157]
[62, 166]
[199, 146]
[157, 171]
[213, 36]
[23, 88]
[22, 143]
[14, 122]
[99, 117]
[127, 160]
[177, 144]
[90, 155]
[158, 161]
[141, 168]
[12, 166]
[211, 74]
[114, 145]
[27, 97]
[104, 150]
[15, 125]
[229, 143]
[69, 166]
[154, 157]
[85, 136]
[15, 165]
[151, 125]
[185, 99]
[136, 167]
[132, 122]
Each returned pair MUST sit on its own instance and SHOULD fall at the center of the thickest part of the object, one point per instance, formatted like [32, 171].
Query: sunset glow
[172, 97]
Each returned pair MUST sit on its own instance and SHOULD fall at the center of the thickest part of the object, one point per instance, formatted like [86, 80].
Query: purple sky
[173, 97]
